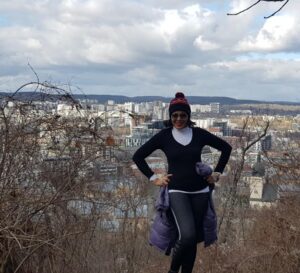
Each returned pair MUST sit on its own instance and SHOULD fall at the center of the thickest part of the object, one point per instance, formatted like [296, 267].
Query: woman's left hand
[213, 178]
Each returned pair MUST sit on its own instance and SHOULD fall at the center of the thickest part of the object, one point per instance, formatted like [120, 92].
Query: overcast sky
[153, 47]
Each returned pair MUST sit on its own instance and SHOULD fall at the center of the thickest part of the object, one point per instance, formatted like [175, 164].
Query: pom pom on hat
[179, 95]
[179, 103]
[179, 99]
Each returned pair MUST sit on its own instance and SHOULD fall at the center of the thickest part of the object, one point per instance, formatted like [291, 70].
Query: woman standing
[188, 192]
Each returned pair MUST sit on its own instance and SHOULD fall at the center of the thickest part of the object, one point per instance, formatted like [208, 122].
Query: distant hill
[139, 99]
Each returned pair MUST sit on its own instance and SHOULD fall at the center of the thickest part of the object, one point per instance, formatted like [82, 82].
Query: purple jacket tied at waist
[163, 232]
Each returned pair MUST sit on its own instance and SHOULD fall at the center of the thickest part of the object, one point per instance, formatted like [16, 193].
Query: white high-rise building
[204, 123]
[129, 106]
[215, 107]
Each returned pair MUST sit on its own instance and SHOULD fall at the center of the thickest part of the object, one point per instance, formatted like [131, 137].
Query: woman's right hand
[163, 180]
[213, 178]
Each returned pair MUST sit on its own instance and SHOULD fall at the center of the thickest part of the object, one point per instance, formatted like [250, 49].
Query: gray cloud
[152, 47]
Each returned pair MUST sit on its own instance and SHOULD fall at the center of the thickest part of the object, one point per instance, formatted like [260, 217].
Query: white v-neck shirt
[184, 137]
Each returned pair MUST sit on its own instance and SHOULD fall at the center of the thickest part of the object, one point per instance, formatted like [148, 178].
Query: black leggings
[188, 210]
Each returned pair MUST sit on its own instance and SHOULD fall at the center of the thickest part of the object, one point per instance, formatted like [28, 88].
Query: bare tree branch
[257, 2]
[237, 13]
[266, 17]
[259, 137]
[232, 196]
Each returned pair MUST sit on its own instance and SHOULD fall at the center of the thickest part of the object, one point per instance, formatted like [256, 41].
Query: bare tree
[46, 179]
[271, 237]
[246, 141]
[59, 211]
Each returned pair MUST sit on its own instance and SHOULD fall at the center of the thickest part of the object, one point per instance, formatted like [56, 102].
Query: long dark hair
[168, 123]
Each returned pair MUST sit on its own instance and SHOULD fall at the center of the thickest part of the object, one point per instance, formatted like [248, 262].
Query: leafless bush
[265, 239]
[58, 211]
[47, 208]
[271, 244]
[230, 206]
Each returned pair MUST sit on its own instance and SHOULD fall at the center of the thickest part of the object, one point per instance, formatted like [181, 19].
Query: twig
[36, 75]
[244, 9]
[259, 137]
[15, 237]
[42, 244]
[267, 17]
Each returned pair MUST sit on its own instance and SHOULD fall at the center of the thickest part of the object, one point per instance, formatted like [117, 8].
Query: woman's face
[179, 119]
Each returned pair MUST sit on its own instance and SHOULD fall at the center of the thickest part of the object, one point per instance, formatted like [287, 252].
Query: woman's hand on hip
[213, 178]
[163, 180]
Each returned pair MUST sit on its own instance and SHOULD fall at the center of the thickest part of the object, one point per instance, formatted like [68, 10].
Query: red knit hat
[179, 103]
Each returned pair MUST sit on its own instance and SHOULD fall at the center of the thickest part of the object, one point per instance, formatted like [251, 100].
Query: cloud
[205, 45]
[278, 33]
[105, 32]
[150, 46]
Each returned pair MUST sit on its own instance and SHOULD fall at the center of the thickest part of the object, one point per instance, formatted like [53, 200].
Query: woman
[188, 192]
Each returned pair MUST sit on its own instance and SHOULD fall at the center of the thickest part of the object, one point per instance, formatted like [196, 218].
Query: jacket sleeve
[145, 150]
[221, 145]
